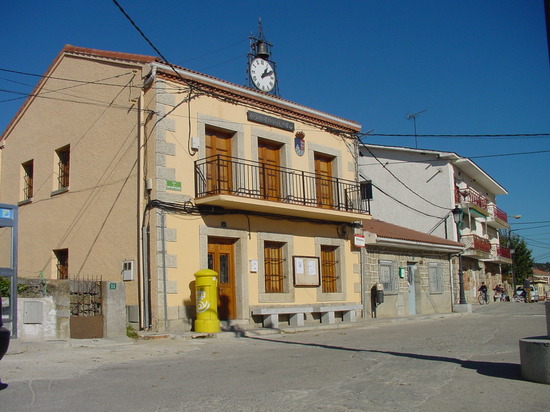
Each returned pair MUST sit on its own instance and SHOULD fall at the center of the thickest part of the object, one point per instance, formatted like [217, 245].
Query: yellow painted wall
[188, 248]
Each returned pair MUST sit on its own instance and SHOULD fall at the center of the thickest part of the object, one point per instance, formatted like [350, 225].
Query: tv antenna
[413, 116]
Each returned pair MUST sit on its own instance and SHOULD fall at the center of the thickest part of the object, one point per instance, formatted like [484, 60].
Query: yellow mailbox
[206, 287]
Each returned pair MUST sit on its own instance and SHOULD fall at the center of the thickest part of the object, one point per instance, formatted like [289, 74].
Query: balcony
[236, 183]
[469, 198]
[497, 217]
[500, 254]
[476, 247]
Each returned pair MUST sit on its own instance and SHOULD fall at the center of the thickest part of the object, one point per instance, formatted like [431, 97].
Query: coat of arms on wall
[299, 143]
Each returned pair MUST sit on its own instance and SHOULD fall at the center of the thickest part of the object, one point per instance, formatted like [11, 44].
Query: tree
[522, 258]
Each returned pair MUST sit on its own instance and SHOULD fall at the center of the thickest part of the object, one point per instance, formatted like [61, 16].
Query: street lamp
[512, 251]
[457, 216]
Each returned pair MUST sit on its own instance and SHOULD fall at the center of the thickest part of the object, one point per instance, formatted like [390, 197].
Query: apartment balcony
[476, 247]
[235, 183]
[468, 198]
[497, 217]
[500, 254]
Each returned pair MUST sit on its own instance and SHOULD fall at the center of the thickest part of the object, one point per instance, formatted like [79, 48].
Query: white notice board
[306, 271]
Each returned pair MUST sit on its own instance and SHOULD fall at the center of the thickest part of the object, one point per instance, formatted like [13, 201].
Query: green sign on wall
[173, 185]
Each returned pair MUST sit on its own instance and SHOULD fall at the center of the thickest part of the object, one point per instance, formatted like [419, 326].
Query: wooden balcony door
[323, 180]
[221, 259]
[269, 158]
[218, 171]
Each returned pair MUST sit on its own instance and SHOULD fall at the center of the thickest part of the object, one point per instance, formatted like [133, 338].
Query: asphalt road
[451, 363]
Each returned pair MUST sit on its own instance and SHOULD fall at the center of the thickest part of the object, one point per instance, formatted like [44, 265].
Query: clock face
[262, 74]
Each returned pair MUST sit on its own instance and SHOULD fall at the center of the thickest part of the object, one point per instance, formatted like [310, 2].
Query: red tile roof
[140, 58]
[391, 231]
[277, 103]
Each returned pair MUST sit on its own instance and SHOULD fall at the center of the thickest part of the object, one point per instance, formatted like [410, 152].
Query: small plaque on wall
[306, 271]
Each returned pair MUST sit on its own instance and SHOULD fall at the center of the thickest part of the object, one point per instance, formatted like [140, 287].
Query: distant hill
[543, 266]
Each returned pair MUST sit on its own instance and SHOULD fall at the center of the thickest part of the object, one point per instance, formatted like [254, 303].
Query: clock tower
[261, 71]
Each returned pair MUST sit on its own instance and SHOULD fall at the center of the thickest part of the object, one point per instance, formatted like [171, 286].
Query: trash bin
[206, 288]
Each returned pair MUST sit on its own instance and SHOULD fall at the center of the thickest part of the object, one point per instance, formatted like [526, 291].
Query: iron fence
[238, 177]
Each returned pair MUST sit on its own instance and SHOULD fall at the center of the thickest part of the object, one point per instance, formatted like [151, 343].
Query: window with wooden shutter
[329, 267]
[28, 180]
[63, 157]
[274, 268]
[62, 264]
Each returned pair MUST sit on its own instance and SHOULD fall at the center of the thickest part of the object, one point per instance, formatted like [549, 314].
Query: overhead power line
[400, 181]
[510, 154]
[98, 82]
[531, 223]
[465, 136]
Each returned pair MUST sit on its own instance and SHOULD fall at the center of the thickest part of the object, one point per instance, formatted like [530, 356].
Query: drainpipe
[363, 257]
[142, 230]
[452, 287]
[163, 243]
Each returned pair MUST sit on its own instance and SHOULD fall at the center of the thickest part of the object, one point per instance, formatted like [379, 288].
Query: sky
[475, 67]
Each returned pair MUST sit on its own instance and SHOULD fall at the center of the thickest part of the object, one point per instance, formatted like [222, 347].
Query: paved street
[447, 362]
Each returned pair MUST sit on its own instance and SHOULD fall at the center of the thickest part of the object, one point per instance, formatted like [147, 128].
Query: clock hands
[267, 73]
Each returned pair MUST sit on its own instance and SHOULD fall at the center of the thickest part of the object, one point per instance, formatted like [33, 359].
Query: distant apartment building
[418, 189]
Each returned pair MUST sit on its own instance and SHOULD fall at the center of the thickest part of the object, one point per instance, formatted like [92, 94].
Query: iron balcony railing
[221, 174]
[469, 195]
[498, 213]
[476, 243]
[501, 252]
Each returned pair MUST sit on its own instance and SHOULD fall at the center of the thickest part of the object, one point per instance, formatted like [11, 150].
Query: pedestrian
[498, 293]
[483, 289]
[527, 290]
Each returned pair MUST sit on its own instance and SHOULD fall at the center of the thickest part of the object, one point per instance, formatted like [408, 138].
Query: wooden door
[219, 167]
[270, 175]
[323, 180]
[221, 259]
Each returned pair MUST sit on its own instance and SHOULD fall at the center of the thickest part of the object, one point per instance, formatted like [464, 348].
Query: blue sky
[477, 67]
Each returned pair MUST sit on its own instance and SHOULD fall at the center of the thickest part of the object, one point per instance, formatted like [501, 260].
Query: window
[28, 179]
[388, 276]
[62, 263]
[63, 156]
[435, 276]
[329, 274]
[274, 269]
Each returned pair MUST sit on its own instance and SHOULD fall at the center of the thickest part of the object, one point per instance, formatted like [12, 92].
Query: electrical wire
[406, 205]
[63, 78]
[151, 43]
[399, 180]
[465, 136]
[190, 209]
[531, 223]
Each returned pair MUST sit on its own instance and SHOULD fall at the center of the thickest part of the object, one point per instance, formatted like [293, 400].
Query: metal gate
[86, 320]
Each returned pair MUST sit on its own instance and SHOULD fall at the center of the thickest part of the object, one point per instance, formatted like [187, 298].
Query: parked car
[534, 293]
